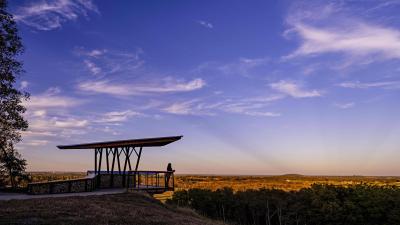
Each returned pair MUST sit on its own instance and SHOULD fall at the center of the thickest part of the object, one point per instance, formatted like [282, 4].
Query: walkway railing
[63, 186]
[148, 181]
[151, 181]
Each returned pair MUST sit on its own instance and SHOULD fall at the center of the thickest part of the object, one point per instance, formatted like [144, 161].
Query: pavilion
[118, 169]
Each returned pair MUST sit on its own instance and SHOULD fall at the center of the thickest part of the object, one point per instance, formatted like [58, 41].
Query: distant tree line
[318, 205]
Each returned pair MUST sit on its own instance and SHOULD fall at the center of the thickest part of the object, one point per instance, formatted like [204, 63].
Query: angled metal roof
[143, 142]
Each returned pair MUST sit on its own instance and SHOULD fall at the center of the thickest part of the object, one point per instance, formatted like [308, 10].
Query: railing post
[173, 181]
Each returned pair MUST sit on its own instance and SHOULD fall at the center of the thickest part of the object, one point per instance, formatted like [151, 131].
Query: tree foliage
[12, 121]
[320, 204]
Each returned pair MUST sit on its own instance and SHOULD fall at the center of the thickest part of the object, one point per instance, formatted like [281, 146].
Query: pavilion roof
[143, 142]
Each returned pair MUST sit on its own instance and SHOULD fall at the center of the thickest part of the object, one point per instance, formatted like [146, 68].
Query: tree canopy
[12, 121]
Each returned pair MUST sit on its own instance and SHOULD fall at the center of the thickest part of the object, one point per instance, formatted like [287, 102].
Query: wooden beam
[137, 166]
[126, 158]
[113, 161]
[129, 158]
[119, 164]
[95, 161]
[101, 156]
[107, 154]
[138, 159]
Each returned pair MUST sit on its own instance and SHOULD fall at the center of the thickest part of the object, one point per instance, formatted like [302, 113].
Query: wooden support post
[119, 164]
[126, 150]
[101, 156]
[95, 161]
[113, 161]
[108, 167]
[129, 158]
[137, 165]
[112, 166]
[138, 159]
[99, 174]
[126, 162]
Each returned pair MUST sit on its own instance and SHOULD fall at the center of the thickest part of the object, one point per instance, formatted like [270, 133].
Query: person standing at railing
[168, 174]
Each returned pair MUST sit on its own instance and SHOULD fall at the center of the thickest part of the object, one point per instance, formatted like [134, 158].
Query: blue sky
[258, 87]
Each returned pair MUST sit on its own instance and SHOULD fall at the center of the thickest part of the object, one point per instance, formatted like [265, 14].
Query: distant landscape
[289, 182]
[283, 199]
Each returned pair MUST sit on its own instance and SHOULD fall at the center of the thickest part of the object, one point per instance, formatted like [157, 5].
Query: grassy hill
[127, 208]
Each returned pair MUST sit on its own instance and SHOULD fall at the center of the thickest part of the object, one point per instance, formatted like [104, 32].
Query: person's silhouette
[168, 174]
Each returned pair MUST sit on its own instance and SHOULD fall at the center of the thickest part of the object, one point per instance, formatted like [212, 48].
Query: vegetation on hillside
[288, 182]
[319, 204]
[127, 208]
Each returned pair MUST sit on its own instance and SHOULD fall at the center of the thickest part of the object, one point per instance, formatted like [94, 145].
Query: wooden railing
[63, 186]
[151, 181]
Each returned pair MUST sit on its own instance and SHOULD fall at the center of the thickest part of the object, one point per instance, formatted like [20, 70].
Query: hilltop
[126, 208]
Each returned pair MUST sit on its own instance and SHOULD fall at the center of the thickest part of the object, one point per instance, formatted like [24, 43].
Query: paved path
[11, 196]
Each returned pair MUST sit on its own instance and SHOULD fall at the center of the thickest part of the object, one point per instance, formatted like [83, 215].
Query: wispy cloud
[36, 142]
[329, 29]
[94, 69]
[70, 123]
[380, 84]
[242, 66]
[106, 61]
[125, 89]
[49, 15]
[294, 89]
[51, 98]
[205, 24]
[249, 106]
[184, 108]
[118, 116]
[24, 84]
[55, 127]
[347, 105]
[90, 53]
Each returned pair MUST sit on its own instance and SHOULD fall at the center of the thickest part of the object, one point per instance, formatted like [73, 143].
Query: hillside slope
[127, 208]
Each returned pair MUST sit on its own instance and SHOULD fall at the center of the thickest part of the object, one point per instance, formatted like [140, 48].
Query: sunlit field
[290, 182]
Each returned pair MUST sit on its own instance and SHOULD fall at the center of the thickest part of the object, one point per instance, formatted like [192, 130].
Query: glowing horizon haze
[256, 87]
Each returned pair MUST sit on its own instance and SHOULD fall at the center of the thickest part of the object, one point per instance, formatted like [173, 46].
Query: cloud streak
[347, 105]
[124, 89]
[294, 89]
[103, 62]
[360, 85]
[205, 24]
[248, 107]
[330, 29]
[51, 15]
[118, 116]
[52, 99]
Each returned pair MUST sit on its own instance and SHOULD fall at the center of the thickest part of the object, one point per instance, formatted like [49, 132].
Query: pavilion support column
[129, 158]
[99, 172]
[95, 161]
[138, 159]
[126, 152]
[100, 158]
[107, 154]
[137, 166]
[119, 163]
[114, 152]
[113, 161]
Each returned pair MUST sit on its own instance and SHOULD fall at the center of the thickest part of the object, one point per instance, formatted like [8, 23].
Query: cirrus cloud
[51, 15]
[294, 89]
[124, 89]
